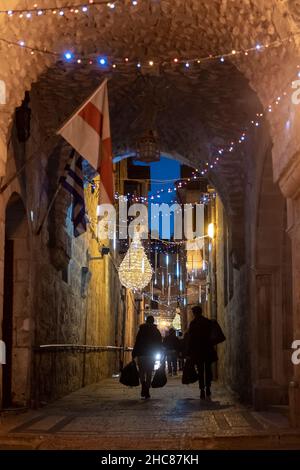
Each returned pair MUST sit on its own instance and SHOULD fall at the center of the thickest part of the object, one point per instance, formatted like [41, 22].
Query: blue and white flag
[72, 181]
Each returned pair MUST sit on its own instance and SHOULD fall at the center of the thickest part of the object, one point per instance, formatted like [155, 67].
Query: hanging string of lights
[109, 62]
[77, 8]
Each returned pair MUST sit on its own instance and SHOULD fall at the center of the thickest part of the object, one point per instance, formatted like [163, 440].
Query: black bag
[216, 336]
[160, 377]
[189, 373]
[129, 375]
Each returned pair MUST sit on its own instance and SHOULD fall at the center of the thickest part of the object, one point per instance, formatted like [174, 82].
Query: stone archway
[16, 328]
[272, 322]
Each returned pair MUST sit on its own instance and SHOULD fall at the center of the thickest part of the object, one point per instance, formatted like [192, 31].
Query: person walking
[201, 350]
[171, 345]
[147, 345]
[181, 350]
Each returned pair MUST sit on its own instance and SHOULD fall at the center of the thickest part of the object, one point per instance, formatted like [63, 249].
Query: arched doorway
[16, 318]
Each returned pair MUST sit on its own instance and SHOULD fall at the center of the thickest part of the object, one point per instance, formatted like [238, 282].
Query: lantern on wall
[135, 271]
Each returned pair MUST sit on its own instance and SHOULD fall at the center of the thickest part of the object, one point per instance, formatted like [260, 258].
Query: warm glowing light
[211, 230]
[135, 271]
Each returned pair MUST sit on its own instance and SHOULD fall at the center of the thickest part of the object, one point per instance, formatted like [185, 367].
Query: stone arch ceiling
[197, 110]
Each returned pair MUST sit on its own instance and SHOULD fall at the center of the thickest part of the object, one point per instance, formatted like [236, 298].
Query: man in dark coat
[148, 344]
[201, 350]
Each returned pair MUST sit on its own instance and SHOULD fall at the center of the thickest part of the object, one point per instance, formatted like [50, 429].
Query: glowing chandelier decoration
[135, 271]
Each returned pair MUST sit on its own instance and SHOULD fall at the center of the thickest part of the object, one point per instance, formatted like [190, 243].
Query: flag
[72, 181]
[88, 132]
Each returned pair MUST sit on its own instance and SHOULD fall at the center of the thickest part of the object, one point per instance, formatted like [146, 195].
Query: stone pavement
[110, 416]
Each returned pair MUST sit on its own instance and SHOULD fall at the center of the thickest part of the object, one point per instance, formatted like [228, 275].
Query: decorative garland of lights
[109, 63]
[36, 11]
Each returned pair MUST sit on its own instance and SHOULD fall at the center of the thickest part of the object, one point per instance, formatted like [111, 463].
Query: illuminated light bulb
[40, 12]
[126, 59]
[72, 10]
[22, 43]
[102, 61]
[246, 53]
[257, 124]
[78, 61]
[68, 55]
[233, 52]
[10, 12]
[114, 66]
[21, 15]
[111, 5]
[175, 60]
[84, 9]
[258, 47]
[198, 61]
[32, 52]
[138, 65]
[90, 62]
[134, 2]
[151, 63]
[222, 59]
[76, 11]
[187, 65]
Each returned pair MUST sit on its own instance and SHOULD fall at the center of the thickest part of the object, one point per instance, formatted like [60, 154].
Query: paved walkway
[110, 416]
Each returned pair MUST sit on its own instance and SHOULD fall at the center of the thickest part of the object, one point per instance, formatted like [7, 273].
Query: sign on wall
[2, 352]
[2, 92]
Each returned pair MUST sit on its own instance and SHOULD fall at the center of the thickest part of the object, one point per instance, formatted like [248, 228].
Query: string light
[76, 8]
[161, 62]
[107, 62]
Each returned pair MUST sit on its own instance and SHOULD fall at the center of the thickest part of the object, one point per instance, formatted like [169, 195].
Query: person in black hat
[147, 345]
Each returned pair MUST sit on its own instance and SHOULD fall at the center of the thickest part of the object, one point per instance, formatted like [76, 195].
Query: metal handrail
[80, 347]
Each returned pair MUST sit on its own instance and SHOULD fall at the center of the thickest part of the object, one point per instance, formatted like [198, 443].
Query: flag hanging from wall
[88, 132]
[72, 181]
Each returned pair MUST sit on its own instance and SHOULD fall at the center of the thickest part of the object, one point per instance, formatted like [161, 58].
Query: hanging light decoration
[135, 271]
[147, 147]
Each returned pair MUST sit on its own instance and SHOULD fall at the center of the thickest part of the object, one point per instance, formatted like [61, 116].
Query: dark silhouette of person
[201, 350]
[147, 345]
[181, 350]
[171, 345]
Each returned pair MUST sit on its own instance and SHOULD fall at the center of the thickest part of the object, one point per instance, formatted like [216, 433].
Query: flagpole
[53, 198]
[18, 172]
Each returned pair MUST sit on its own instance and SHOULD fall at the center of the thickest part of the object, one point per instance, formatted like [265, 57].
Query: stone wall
[72, 301]
[254, 298]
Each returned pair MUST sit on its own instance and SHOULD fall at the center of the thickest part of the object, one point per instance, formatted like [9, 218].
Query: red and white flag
[88, 132]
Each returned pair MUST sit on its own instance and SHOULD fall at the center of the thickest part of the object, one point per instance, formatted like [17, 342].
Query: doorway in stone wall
[16, 322]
